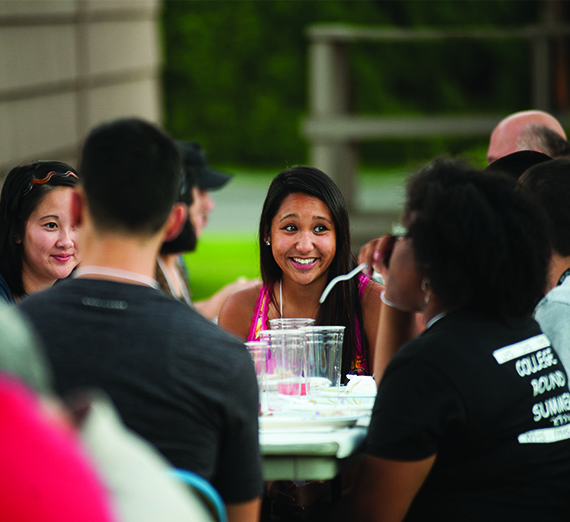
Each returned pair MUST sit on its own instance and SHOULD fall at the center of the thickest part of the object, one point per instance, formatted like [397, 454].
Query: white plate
[280, 421]
[326, 406]
[341, 391]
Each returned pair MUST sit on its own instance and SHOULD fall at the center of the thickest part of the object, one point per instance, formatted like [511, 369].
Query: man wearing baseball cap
[207, 179]
[171, 272]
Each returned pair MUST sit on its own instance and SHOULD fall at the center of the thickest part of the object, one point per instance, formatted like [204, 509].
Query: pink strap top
[259, 322]
[259, 319]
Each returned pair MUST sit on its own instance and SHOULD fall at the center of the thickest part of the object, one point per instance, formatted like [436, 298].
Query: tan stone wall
[66, 65]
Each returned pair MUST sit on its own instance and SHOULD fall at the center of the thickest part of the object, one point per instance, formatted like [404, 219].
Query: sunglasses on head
[49, 175]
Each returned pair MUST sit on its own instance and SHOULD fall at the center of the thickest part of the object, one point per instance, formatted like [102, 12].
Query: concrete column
[329, 97]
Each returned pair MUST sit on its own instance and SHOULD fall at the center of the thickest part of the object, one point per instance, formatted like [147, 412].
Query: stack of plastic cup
[284, 323]
[258, 352]
[324, 357]
[285, 366]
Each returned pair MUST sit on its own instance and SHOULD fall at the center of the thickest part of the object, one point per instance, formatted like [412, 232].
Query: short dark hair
[131, 173]
[481, 243]
[17, 201]
[343, 305]
[543, 139]
[549, 184]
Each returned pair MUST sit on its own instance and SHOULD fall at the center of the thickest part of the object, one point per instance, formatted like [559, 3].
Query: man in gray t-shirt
[174, 377]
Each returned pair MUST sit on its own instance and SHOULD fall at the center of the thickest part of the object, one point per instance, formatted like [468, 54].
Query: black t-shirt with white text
[491, 400]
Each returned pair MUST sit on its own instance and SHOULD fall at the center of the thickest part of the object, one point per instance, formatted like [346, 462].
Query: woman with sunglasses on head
[37, 237]
[472, 418]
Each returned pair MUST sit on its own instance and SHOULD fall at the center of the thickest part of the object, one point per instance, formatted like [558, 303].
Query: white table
[314, 439]
[312, 454]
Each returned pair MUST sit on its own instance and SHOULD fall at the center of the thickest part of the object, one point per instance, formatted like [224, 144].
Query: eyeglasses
[47, 178]
[398, 232]
[184, 184]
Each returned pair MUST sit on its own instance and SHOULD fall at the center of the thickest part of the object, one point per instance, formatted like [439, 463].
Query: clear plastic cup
[258, 352]
[285, 365]
[284, 323]
[324, 357]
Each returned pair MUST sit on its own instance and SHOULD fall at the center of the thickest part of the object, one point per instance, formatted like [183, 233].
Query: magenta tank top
[259, 322]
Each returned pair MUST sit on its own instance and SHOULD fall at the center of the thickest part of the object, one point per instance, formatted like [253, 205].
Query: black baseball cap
[516, 163]
[194, 160]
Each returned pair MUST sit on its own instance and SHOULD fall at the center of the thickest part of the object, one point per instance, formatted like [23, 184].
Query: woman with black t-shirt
[472, 418]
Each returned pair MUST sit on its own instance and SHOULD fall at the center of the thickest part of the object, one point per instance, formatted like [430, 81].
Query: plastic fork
[344, 277]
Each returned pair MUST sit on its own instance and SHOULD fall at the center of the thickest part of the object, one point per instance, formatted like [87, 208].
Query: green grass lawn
[221, 259]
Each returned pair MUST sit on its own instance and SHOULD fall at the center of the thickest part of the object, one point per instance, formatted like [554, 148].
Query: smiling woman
[37, 238]
[304, 241]
[304, 238]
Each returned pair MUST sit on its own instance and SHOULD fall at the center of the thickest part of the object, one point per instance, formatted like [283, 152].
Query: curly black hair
[549, 184]
[481, 243]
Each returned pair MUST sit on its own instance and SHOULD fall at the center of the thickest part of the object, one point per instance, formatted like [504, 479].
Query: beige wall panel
[120, 46]
[38, 126]
[131, 99]
[5, 141]
[45, 109]
[32, 56]
[120, 5]
[28, 7]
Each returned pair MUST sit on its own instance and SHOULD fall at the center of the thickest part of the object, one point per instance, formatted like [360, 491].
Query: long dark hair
[17, 201]
[342, 306]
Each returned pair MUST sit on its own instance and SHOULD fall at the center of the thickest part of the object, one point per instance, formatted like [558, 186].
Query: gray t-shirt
[175, 378]
[553, 316]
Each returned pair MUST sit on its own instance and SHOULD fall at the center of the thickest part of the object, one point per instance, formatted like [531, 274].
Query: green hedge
[235, 76]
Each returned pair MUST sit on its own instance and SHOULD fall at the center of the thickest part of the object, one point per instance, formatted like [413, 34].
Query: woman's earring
[267, 242]
[426, 290]
[17, 239]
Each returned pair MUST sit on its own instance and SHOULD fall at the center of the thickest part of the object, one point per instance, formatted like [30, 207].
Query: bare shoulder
[237, 311]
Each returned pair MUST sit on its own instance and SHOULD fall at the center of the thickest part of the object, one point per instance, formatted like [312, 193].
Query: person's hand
[367, 255]
[239, 284]
[376, 254]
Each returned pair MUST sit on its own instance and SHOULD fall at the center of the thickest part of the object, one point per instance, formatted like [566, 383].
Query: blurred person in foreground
[175, 378]
[135, 481]
[46, 474]
[549, 184]
[471, 420]
[171, 272]
[528, 130]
